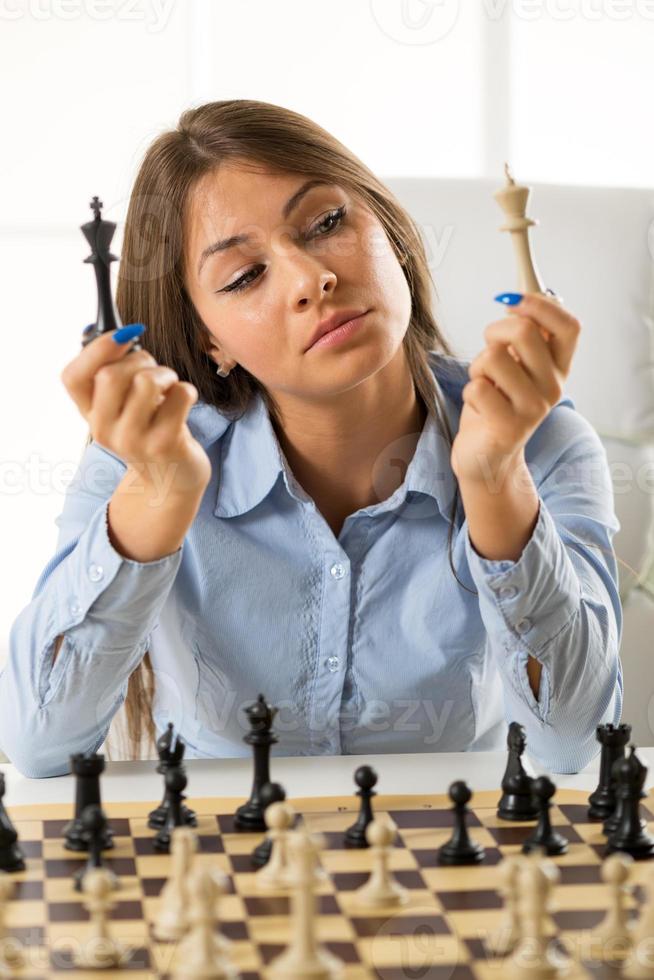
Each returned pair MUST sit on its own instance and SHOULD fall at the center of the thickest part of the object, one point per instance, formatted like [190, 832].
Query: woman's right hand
[137, 409]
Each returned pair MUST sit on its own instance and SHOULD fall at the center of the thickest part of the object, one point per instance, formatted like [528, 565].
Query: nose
[309, 282]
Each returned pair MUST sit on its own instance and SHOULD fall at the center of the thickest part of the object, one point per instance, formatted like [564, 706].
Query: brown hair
[151, 287]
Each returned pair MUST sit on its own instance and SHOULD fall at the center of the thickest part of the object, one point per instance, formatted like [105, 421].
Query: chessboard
[442, 932]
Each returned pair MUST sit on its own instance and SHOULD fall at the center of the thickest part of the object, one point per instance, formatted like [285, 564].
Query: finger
[562, 326]
[111, 385]
[485, 399]
[534, 353]
[173, 411]
[146, 393]
[78, 375]
[497, 365]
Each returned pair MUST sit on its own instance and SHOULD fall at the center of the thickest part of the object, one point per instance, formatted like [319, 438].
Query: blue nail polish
[124, 334]
[509, 299]
[88, 329]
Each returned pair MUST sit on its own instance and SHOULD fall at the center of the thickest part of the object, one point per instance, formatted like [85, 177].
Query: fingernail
[124, 334]
[88, 329]
[509, 299]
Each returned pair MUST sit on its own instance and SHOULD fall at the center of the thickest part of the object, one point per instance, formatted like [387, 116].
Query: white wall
[415, 88]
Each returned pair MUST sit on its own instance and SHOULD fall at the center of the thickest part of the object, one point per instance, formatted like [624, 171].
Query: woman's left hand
[514, 382]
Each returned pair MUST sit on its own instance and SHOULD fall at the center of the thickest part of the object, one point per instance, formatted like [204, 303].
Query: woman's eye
[243, 282]
[335, 216]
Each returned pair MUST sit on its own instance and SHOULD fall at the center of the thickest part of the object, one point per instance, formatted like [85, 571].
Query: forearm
[501, 520]
[148, 522]
[501, 512]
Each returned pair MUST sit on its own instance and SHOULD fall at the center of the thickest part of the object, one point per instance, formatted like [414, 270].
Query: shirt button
[523, 626]
[338, 570]
[96, 572]
[333, 664]
[508, 592]
[75, 608]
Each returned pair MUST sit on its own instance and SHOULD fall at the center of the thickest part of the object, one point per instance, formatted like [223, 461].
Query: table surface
[300, 776]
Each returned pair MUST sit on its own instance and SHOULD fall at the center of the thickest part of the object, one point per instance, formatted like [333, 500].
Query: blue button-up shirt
[366, 642]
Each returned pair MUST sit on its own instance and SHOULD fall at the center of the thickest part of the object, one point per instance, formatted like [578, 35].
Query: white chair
[595, 247]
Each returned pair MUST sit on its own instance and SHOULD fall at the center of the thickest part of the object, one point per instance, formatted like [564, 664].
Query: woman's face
[322, 253]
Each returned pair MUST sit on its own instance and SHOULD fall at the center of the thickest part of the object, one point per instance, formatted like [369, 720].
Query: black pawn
[517, 800]
[614, 820]
[366, 779]
[613, 740]
[543, 836]
[87, 770]
[11, 855]
[169, 757]
[459, 849]
[270, 793]
[94, 825]
[249, 816]
[630, 835]
[175, 785]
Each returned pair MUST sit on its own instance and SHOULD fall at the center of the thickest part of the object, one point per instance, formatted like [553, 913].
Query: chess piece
[507, 934]
[381, 888]
[459, 849]
[544, 836]
[269, 793]
[11, 856]
[203, 953]
[87, 770]
[639, 964]
[100, 950]
[249, 816]
[614, 819]
[274, 874]
[613, 936]
[534, 957]
[305, 956]
[94, 826]
[172, 919]
[629, 835]
[169, 757]
[366, 779]
[99, 234]
[175, 780]
[613, 739]
[517, 801]
[513, 199]
[11, 951]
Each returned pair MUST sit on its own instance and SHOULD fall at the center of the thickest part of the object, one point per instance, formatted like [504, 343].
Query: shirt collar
[252, 461]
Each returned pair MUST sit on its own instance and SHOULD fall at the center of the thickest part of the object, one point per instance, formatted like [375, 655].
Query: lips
[330, 323]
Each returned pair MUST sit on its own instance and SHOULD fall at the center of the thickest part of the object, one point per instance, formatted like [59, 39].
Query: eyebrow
[290, 206]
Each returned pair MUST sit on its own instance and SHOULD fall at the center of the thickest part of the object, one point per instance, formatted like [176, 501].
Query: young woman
[402, 550]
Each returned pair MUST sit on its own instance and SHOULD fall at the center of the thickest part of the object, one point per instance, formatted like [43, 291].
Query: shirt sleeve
[105, 605]
[559, 601]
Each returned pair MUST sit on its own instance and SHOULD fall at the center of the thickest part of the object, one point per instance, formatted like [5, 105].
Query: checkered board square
[444, 931]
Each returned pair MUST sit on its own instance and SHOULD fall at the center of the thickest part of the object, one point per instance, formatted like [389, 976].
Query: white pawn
[613, 935]
[640, 963]
[275, 873]
[11, 953]
[172, 919]
[381, 888]
[533, 957]
[504, 939]
[100, 951]
[304, 958]
[202, 953]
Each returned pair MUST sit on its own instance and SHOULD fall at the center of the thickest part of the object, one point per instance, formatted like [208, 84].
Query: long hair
[151, 288]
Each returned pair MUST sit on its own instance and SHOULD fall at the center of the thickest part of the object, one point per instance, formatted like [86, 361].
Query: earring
[221, 372]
